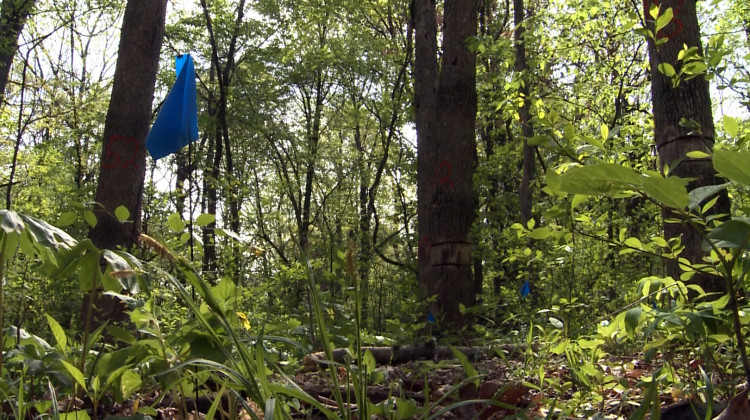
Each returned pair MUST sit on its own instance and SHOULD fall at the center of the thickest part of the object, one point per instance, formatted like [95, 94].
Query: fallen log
[402, 354]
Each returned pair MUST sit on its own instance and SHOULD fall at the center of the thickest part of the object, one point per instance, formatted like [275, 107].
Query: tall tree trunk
[123, 162]
[446, 106]
[13, 15]
[525, 193]
[688, 101]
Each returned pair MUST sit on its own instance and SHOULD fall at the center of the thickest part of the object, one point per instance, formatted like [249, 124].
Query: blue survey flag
[176, 124]
[431, 318]
[525, 289]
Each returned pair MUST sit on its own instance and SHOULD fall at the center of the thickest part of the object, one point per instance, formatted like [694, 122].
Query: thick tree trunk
[689, 101]
[123, 162]
[13, 15]
[446, 105]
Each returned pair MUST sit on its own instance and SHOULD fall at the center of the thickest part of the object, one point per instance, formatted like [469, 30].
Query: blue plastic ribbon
[176, 124]
[525, 289]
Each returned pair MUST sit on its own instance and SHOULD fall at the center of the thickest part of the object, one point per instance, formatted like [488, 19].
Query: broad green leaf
[75, 415]
[577, 200]
[663, 20]
[733, 164]
[58, 332]
[130, 382]
[46, 235]
[670, 191]
[605, 131]
[67, 219]
[730, 126]
[700, 194]
[632, 316]
[600, 178]
[89, 274]
[122, 213]
[666, 69]
[10, 222]
[90, 218]
[734, 234]
[175, 223]
[539, 140]
[540, 233]
[205, 219]
[633, 243]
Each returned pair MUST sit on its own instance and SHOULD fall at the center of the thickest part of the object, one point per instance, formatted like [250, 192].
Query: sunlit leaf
[175, 223]
[205, 219]
[122, 213]
[670, 191]
[733, 164]
[58, 332]
[730, 126]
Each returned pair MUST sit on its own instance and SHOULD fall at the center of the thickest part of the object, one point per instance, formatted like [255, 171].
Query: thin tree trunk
[123, 163]
[525, 192]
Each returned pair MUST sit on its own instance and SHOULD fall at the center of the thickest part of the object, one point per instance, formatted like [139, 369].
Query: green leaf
[733, 164]
[469, 369]
[89, 274]
[600, 178]
[663, 20]
[67, 219]
[46, 235]
[540, 233]
[697, 154]
[75, 415]
[122, 213]
[75, 373]
[632, 316]
[730, 126]
[669, 191]
[175, 223]
[700, 194]
[130, 382]
[205, 219]
[58, 332]
[734, 234]
[539, 140]
[90, 218]
[666, 69]
[10, 222]
[605, 131]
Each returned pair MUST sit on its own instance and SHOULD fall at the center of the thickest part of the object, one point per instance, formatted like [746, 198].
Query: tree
[13, 15]
[446, 106]
[683, 120]
[123, 163]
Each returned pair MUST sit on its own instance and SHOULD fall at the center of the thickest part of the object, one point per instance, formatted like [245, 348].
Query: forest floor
[510, 381]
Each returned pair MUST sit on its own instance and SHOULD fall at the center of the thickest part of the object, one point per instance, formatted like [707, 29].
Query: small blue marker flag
[431, 318]
[525, 289]
[176, 124]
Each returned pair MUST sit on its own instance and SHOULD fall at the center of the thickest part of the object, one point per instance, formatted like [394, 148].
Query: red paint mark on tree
[443, 174]
[425, 246]
[678, 25]
[114, 159]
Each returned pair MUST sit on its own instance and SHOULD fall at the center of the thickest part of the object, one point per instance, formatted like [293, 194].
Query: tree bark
[525, 193]
[13, 15]
[689, 101]
[446, 106]
[123, 162]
